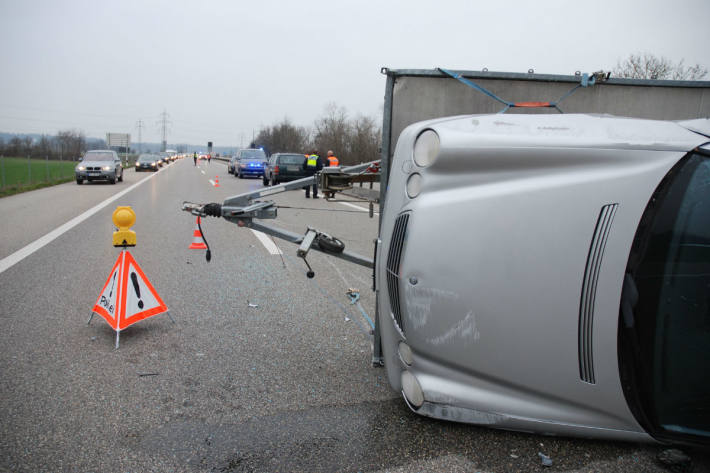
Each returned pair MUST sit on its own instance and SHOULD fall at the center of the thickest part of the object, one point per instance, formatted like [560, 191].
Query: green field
[21, 175]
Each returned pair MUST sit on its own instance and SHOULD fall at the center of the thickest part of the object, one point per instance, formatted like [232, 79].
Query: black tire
[265, 181]
[330, 244]
[79, 181]
[112, 180]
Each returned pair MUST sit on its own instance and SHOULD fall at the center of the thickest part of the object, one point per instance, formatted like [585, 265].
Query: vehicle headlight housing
[106, 168]
[153, 164]
[81, 168]
[426, 148]
[414, 185]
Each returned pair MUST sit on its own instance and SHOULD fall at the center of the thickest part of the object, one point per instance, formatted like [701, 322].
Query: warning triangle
[127, 296]
[106, 305]
[139, 299]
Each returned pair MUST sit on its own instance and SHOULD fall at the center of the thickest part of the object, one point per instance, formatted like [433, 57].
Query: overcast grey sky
[222, 69]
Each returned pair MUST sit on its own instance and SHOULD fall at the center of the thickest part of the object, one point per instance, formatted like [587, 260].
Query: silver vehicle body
[107, 168]
[481, 273]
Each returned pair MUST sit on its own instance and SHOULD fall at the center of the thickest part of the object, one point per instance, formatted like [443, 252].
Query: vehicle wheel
[79, 181]
[112, 180]
[264, 180]
[330, 244]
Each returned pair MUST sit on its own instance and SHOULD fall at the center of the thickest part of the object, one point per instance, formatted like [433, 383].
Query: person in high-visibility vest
[312, 164]
[332, 160]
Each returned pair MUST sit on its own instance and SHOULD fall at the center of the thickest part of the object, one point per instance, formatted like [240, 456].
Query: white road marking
[203, 172]
[266, 241]
[357, 207]
[212, 182]
[23, 253]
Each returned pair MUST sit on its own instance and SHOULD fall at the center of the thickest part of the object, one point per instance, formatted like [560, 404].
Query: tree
[283, 137]
[364, 141]
[72, 143]
[649, 66]
[332, 132]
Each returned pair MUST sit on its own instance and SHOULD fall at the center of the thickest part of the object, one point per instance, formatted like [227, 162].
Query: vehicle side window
[665, 332]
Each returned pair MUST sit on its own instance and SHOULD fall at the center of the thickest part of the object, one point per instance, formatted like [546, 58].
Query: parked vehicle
[99, 165]
[147, 162]
[284, 167]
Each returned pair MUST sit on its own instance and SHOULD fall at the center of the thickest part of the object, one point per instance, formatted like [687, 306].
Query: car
[284, 167]
[165, 157]
[99, 165]
[249, 162]
[147, 162]
[550, 273]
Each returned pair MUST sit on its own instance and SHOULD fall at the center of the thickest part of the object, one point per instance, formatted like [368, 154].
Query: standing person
[332, 160]
[312, 164]
[194, 157]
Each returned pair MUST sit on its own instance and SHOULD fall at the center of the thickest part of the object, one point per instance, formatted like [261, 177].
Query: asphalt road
[264, 369]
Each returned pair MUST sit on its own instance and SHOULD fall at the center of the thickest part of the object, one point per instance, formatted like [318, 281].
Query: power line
[164, 122]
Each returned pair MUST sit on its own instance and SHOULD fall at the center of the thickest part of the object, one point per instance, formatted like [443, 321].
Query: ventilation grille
[589, 292]
[393, 260]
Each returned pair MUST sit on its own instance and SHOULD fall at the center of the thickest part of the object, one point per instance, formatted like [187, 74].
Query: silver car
[99, 165]
[551, 274]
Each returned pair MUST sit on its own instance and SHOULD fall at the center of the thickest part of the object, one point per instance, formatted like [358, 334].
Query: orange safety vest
[333, 161]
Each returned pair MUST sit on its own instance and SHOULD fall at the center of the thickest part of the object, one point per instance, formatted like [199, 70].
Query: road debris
[674, 458]
[142, 375]
[546, 461]
[252, 305]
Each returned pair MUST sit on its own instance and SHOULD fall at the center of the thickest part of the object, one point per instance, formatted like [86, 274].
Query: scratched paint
[419, 301]
[465, 328]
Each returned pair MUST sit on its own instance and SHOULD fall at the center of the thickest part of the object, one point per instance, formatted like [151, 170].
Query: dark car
[99, 165]
[284, 167]
[249, 162]
[147, 162]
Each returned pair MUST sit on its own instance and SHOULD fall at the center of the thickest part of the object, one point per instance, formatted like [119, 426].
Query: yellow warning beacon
[124, 217]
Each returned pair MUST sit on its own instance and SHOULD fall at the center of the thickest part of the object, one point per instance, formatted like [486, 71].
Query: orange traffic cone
[216, 181]
[198, 243]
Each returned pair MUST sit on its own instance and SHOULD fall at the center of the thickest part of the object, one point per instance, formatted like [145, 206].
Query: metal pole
[2, 166]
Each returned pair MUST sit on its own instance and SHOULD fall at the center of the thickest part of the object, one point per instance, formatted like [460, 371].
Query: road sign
[127, 296]
[120, 140]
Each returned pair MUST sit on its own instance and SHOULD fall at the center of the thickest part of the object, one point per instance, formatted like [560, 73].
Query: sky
[222, 69]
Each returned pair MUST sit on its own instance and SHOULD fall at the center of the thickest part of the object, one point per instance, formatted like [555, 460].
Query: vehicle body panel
[494, 259]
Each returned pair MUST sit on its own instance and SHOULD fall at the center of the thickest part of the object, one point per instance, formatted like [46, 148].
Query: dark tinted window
[665, 335]
[98, 156]
[252, 153]
[292, 159]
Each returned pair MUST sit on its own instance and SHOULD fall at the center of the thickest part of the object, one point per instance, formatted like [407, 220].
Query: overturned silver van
[551, 274]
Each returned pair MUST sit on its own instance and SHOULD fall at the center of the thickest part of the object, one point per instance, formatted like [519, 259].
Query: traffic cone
[216, 181]
[198, 243]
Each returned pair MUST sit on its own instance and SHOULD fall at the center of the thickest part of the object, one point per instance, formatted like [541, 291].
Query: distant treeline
[352, 140]
[66, 145]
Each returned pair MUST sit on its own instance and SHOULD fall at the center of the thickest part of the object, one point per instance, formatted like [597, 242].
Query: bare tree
[72, 143]
[332, 132]
[649, 66]
[283, 137]
[364, 141]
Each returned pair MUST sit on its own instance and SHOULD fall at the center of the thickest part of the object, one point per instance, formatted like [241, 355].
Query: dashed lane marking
[266, 241]
[357, 207]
